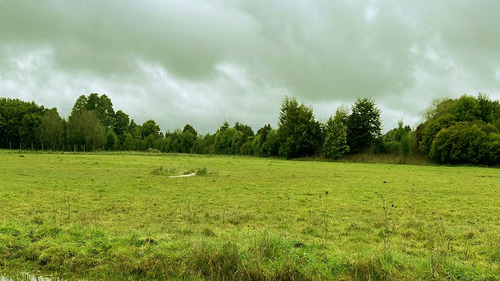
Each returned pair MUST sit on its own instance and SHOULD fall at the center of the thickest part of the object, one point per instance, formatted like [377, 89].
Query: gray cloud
[201, 62]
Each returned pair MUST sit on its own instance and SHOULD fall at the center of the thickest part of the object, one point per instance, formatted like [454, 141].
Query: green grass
[119, 216]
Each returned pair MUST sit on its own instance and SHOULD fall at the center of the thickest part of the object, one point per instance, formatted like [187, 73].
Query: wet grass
[119, 216]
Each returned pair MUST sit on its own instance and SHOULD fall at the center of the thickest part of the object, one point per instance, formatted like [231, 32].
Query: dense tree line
[463, 130]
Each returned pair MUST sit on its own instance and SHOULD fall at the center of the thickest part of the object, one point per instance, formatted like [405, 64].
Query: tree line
[462, 130]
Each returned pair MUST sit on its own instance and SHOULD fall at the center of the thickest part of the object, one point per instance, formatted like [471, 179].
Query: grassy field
[120, 217]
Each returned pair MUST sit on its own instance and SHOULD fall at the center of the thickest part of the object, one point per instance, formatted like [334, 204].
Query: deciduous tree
[85, 131]
[50, 132]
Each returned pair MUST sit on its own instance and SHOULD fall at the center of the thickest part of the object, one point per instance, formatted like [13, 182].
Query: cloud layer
[201, 62]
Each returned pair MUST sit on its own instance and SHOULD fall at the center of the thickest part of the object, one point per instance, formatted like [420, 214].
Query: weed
[37, 219]
[211, 262]
[385, 231]
[207, 232]
[326, 220]
[158, 171]
[202, 172]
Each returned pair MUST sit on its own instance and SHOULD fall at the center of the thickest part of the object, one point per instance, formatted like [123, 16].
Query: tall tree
[226, 139]
[135, 130]
[100, 105]
[299, 134]
[260, 139]
[80, 104]
[121, 125]
[190, 129]
[27, 131]
[363, 125]
[50, 132]
[20, 120]
[103, 108]
[271, 145]
[245, 129]
[335, 145]
[111, 140]
[85, 131]
[225, 125]
[150, 128]
[204, 145]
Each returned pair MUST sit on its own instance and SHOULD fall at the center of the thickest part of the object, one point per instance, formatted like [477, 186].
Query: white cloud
[201, 62]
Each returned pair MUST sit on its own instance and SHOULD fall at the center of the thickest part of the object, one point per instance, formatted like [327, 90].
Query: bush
[467, 142]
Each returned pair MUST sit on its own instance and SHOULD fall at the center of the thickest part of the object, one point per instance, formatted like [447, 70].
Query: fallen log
[183, 176]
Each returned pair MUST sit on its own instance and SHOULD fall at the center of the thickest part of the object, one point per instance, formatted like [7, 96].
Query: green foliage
[259, 140]
[100, 105]
[264, 131]
[85, 131]
[432, 129]
[187, 141]
[223, 127]
[224, 140]
[178, 141]
[335, 145]
[190, 129]
[298, 133]
[80, 104]
[121, 125]
[127, 142]
[438, 108]
[149, 142]
[465, 109]
[50, 132]
[230, 141]
[462, 130]
[204, 145]
[111, 140]
[245, 129]
[363, 125]
[18, 122]
[257, 145]
[27, 131]
[135, 130]
[271, 145]
[26, 125]
[246, 148]
[466, 142]
[405, 144]
[399, 140]
[150, 128]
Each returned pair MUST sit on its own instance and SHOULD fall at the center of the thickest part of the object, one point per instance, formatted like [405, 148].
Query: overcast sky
[205, 61]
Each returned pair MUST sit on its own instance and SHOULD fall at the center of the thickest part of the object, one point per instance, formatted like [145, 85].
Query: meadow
[120, 216]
